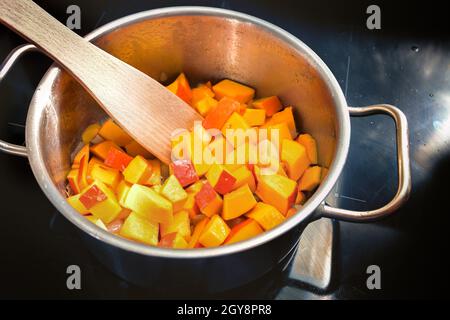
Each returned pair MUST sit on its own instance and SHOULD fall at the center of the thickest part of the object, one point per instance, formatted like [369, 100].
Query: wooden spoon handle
[142, 106]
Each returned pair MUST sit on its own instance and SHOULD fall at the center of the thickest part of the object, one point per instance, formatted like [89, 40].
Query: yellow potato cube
[180, 224]
[174, 192]
[140, 229]
[149, 204]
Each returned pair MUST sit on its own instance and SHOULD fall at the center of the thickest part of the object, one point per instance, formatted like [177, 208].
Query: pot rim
[37, 161]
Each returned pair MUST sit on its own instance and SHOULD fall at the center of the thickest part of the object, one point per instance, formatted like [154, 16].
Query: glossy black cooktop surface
[406, 63]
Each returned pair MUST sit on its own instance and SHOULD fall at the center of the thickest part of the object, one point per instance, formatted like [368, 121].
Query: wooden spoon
[142, 106]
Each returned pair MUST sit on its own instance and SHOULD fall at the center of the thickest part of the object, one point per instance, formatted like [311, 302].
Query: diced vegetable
[90, 133]
[234, 122]
[173, 240]
[245, 230]
[234, 90]
[310, 144]
[180, 224]
[238, 202]
[208, 201]
[101, 150]
[285, 116]
[277, 190]
[75, 202]
[98, 222]
[122, 191]
[101, 202]
[244, 177]
[181, 88]
[220, 114]
[270, 105]
[214, 233]
[72, 177]
[232, 177]
[174, 192]
[266, 215]
[220, 178]
[109, 176]
[117, 159]
[190, 206]
[138, 170]
[310, 179]
[140, 229]
[184, 171]
[111, 131]
[193, 243]
[149, 204]
[294, 155]
[254, 117]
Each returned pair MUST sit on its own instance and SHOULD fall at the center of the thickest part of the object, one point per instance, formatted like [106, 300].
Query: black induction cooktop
[406, 63]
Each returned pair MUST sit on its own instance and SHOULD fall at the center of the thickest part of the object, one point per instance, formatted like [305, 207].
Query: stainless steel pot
[206, 43]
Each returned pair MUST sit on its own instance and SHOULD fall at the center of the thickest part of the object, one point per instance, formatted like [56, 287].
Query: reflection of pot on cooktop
[346, 194]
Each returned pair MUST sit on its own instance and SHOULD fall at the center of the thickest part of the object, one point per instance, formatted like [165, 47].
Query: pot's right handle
[7, 64]
[404, 170]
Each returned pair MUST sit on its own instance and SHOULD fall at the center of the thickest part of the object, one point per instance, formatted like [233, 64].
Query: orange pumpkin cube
[294, 155]
[193, 242]
[247, 229]
[156, 177]
[84, 151]
[72, 177]
[205, 105]
[149, 204]
[174, 192]
[111, 131]
[208, 201]
[310, 179]
[270, 105]
[310, 145]
[234, 90]
[280, 131]
[238, 202]
[190, 206]
[109, 176]
[90, 133]
[101, 149]
[173, 240]
[181, 88]
[180, 224]
[266, 215]
[75, 202]
[285, 116]
[217, 117]
[214, 233]
[244, 176]
[140, 229]
[234, 122]
[254, 117]
[101, 201]
[138, 170]
[220, 178]
[300, 198]
[184, 171]
[277, 191]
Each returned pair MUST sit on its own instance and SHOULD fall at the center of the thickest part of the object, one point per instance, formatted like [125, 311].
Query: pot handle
[7, 64]
[403, 163]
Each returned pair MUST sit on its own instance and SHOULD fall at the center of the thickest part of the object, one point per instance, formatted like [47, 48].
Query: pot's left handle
[7, 64]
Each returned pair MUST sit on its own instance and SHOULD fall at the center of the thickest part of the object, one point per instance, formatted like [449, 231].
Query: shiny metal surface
[403, 165]
[313, 262]
[156, 42]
